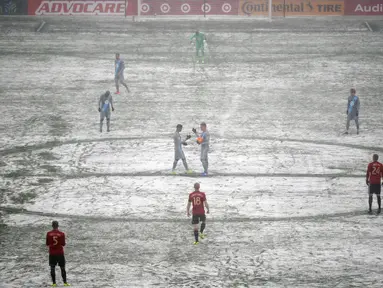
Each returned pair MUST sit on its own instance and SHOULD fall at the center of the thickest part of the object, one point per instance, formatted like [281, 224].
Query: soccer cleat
[54, 285]
[378, 212]
[202, 236]
[189, 171]
[196, 243]
[117, 92]
[357, 132]
[66, 284]
[370, 211]
[204, 174]
[127, 89]
[174, 172]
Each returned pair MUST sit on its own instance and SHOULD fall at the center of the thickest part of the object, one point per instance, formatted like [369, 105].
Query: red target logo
[145, 8]
[226, 7]
[206, 7]
[165, 8]
[185, 8]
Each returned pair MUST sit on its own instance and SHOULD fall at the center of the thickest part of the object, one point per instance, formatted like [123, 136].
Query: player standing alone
[374, 177]
[119, 67]
[56, 241]
[353, 106]
[200, 41]
[198, 199]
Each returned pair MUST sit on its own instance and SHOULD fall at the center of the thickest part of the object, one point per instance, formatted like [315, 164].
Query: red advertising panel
[189, 7]
[363, 7]
[82, 7]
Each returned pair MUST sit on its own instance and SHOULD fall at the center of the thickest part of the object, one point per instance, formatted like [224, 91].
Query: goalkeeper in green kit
[200, 41]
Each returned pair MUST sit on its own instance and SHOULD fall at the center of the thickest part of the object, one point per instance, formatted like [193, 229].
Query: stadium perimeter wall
[178, 8]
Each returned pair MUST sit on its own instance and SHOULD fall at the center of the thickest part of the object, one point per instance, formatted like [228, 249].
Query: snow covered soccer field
[287, 192]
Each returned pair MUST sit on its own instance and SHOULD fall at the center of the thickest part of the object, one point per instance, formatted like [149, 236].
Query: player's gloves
[188, 137]
[113, 109]
[184, 143]
[346, 112]
[194, 130]
[368, 183]
[99, 109]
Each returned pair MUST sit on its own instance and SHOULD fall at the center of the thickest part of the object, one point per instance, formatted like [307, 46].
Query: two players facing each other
[374, 178]
[55, 240]
[203, 139]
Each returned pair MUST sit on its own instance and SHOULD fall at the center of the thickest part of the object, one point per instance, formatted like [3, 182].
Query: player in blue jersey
[203, 139]
[105, 105]
[119, 67]
[353, 106]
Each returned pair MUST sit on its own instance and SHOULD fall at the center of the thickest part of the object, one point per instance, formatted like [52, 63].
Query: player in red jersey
[374, 177]
[198, 199]
[55, 240]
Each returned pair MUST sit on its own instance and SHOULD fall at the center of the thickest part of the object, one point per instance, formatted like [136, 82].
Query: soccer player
[374, 176]
[353, 105]
[200, 41]
[203, 139]
[119, 67]
[198, 199]
[105, 104]
[56, 241]
[178, 152]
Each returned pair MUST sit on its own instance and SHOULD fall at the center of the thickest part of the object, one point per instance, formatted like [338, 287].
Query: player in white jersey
[178, 152]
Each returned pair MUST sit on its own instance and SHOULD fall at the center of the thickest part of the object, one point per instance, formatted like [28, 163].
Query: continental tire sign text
[292, 7]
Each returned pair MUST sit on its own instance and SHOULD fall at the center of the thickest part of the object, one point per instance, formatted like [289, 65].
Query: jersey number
[197, 201]
[375, 170]
[55, 241]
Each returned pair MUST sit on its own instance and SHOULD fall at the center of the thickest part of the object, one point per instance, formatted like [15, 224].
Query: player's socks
[53, 274]
[379, 210]
[196, 235]
[379, 202]
[370, 203]
[63, 274]
[203, 226]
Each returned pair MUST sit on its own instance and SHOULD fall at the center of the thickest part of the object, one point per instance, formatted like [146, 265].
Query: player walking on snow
[55, 240]
[200, 41]
[374, 177]
[119, 67]
[105, 104]
[178, 152]
[353, 105]
[203, 139]
[199, 202]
